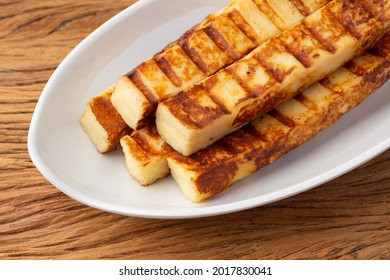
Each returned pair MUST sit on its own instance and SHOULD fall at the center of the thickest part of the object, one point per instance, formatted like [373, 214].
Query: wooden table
[347, 218]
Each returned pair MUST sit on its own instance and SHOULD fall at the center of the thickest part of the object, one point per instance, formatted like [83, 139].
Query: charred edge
[348, 23]
[272, 151]
[148, 119]
[373, 40]
[115, 139]
[257, 108]
[375, 7]
[182, 106]
[110, 120]
[378, 76]
[221, 42]
[107, 115]
[384, 49]
[135, 77]
[243, 25]
[217, 179]
[190, 163]
[152, 131]
[194, 56]
[358, 69]
[326, 83]
[166, 68]
[241, 140]
[354, 68]
[278, 74]
[301, 7]
[282, 118]
[317, 34]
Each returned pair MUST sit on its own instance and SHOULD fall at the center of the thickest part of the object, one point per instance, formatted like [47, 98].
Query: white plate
[65, 156]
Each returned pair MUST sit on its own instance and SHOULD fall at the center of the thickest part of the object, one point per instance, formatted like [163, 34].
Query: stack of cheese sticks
[245, 86]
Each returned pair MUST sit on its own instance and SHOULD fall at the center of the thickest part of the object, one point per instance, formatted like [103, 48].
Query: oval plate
[65, 156]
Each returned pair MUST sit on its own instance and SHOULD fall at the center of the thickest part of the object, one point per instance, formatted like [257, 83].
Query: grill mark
[143, 142]
[310, 104]
[348, 7]
[360, 70]
[166, 68]
[280, 75]
[183, 106]
[282, 118]
[252, 92]
[194, 56]
[301, 7]
[375, 7]
[243, 25]
[227, 146]
[221, 42]
[135, 77]
[257, 107]
[217, 179]
[370, 8]
[317, 34]
[221, 106]
[300, 54]
[105, 113]
[206, 86]
[110, 120]
[276, 72]
[381, 51]
[268, 11]
[184, 74]
[137, 150]
[247, 134]
[378, 75]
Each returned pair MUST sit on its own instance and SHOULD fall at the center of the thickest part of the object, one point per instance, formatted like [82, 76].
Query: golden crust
[145, 155]
[307, 7]
[103, 123]
[267, 133]
[292, 123]
[218, 41]
[330, 37]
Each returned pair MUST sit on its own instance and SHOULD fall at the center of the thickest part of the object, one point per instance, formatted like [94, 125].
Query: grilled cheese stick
[174, 67]
[142, 156]
[290, 124]
[272, 73]
[102, 123]
[218, 41]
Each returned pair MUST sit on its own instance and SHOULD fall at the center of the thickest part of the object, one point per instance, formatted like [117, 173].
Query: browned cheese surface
[347, 218]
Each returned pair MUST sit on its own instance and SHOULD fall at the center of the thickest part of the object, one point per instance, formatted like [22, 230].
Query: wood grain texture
[347, 218]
